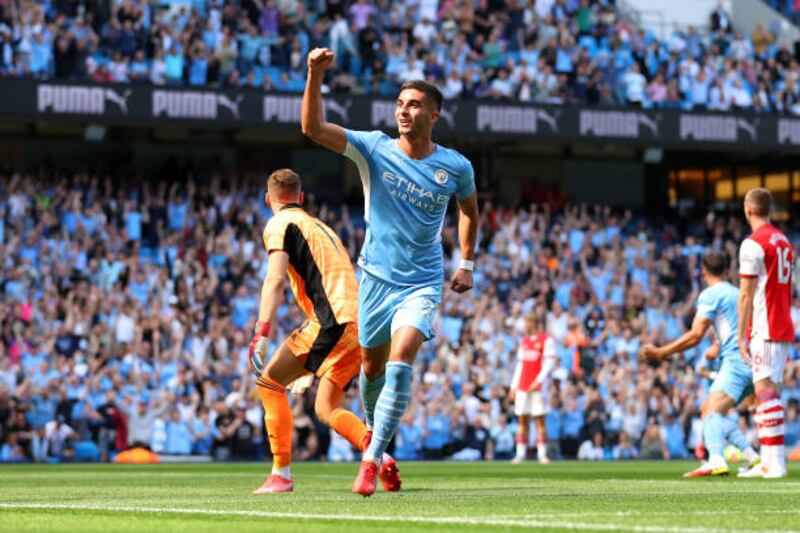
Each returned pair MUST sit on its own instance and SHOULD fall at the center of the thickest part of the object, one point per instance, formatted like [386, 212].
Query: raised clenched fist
[320, 59]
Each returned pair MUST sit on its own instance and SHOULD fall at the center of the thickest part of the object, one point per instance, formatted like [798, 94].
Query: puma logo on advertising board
[514, 119]
[79, 99]
[624, 124]
[716, 128]
[788, 131]
[193, 104]
[288, 109]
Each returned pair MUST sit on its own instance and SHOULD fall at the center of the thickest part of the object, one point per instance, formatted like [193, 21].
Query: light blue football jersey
[718, 303]
[405, 203]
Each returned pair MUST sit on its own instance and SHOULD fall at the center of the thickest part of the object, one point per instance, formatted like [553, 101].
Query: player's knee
[405, 344]
[404, 352]
[717, 403]
[324, 409]
[766, 391]
[373, 369]
[374, 361]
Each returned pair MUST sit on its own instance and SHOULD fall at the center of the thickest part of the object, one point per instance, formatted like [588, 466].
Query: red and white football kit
[767, 255]
[536, 358]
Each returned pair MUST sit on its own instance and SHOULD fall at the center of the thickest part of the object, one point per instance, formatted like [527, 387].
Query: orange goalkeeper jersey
[320, 271]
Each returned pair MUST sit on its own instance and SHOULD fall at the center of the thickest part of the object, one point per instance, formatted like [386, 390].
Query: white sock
[285, 472]
[717, 461]
[766, 455]
[749, 455]
[522, 450]
[779, 457]
[367, 456]
[541, 450]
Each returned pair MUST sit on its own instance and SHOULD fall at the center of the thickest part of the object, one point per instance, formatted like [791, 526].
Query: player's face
[414, 113]
[530, 327]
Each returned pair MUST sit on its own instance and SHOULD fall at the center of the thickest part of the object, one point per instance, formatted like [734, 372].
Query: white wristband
[466, 264]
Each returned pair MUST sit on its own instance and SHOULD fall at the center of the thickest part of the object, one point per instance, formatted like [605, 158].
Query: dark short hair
[715, 263]
[760, 200]
[430, 90]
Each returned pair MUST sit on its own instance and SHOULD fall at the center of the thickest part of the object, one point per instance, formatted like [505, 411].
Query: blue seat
[86, 450]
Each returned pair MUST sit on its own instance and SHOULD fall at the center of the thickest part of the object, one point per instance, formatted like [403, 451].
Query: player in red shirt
[765, 325]
[536, 358]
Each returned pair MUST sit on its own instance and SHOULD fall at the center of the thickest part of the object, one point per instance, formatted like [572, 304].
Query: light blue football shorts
[383, 308]
[734, 378]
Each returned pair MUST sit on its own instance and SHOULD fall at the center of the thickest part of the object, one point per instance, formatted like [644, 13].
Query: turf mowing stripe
[500, 522]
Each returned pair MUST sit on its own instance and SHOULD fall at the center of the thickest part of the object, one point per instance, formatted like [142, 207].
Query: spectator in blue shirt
[437, 432]
[409, 439]
[503, 440]
[11, 451]
[179, 438]
[250, 44]
[41, 55]
[572, 425]
[202, 437]
[625, 450]
[675, 438]
[198, 67]
[243, 306]
[175, 64]
[44, 408]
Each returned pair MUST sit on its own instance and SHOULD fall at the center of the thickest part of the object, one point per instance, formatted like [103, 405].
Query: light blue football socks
[370, 390]
[714, 435]
[390, 407]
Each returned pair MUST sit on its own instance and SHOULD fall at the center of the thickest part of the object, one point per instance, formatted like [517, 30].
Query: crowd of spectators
[788, 8]
[547, 51]
[126, 313]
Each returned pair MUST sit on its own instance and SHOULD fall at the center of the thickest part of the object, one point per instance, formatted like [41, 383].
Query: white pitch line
[169, 475]
[459, 520]
[627, 514]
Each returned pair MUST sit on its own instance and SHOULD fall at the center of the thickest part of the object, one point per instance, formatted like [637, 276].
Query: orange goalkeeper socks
[349, 426]
[278, 419]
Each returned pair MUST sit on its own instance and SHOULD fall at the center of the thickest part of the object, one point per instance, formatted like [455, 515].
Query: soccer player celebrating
[407, 183]
[536, 358]
[765, 268]
[324, 285]
[716, 307]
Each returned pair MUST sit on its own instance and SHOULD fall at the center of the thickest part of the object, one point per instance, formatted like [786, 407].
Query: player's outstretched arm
[274, 285]
[747, 291]
[312, 121]
[688, 340]
[271, 298]
[468, 220]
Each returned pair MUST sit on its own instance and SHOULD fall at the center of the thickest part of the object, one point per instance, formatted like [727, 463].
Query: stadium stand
[549, 51]
[126, 312]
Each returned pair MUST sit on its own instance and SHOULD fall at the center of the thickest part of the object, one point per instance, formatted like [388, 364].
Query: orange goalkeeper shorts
[332, 353]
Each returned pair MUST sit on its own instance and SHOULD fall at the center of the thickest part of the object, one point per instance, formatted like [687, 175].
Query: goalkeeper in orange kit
[321, 276]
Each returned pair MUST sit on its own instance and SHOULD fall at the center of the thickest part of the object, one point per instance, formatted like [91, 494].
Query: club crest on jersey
[441, 176]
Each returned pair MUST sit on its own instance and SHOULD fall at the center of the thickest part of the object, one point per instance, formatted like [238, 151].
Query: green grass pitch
[437, 497]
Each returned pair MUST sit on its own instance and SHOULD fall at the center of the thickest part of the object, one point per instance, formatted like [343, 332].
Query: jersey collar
[291, 206]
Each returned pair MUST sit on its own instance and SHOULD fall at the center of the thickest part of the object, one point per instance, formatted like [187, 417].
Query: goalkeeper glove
[258, 348]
